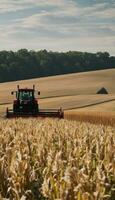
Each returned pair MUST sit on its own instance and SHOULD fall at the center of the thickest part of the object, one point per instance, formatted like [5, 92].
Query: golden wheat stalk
[56, 159]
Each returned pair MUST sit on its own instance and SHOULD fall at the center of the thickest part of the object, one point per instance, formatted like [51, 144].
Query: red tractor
[26, 105]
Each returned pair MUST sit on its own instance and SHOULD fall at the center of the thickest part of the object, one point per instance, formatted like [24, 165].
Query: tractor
[26, 105]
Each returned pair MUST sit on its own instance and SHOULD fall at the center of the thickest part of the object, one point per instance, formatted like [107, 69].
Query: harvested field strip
[74, 102]
[70, 102]
[105, 118]
[93, 104]
[105, 107]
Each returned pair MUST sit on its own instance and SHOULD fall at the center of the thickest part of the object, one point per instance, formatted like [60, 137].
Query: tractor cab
[25, 101]
[25, 95]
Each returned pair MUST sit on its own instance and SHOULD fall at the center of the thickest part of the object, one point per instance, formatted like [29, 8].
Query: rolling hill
[67, 91]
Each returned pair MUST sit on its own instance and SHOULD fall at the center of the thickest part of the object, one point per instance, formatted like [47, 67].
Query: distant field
[73, 84]
[71, 91]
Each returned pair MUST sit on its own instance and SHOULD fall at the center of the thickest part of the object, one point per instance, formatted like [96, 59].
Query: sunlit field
[105, 118]
[67, 91]
[56, 159]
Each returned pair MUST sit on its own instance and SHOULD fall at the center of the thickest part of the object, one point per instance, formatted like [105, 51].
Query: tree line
[24, 64]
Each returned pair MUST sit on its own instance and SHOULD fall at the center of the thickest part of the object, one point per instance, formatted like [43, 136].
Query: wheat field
[53, 159]
[96, 117]
[56, 160]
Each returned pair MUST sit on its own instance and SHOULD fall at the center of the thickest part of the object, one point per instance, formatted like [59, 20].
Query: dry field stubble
[56, 159]
[66, 102]
[102, 107]
[87, 83]
[66, 91]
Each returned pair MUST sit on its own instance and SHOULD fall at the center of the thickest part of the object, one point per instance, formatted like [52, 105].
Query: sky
[58, 25]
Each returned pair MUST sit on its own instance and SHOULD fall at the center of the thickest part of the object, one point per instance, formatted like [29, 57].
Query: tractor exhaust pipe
[33, 87]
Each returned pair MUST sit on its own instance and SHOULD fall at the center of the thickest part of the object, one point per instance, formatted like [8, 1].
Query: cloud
[10, 5]
[61, 24]
[72, 20]
[15, 5]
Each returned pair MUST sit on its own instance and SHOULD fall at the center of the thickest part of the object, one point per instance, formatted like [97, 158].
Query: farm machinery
[26, 105]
